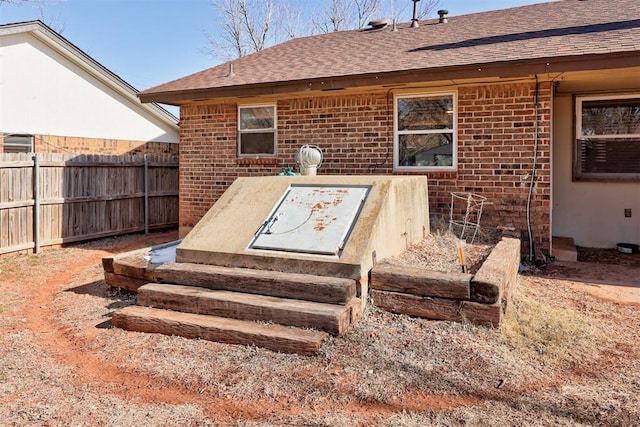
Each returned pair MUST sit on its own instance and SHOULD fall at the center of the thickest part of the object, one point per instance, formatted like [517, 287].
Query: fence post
[146, 195]
[36, 203]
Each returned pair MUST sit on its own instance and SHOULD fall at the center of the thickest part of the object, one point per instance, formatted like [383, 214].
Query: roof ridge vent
[442, 13]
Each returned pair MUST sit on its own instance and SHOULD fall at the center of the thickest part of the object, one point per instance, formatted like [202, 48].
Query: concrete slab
[394, 215]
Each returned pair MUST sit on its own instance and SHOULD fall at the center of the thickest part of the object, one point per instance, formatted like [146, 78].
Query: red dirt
[609, 282]
[69, 349]
[34, 290]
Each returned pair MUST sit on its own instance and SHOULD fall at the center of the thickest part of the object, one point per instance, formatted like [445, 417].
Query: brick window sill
[251, 161]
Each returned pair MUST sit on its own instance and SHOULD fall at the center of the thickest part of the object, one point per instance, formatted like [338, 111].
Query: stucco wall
[43, 92]
[496, 134]
[592, 213]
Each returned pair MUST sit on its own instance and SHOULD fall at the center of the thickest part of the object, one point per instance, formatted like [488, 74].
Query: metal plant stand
[465, 213]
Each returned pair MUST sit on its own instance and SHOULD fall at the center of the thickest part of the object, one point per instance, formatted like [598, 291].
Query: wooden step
[332, 318]
[280, 338]
[332, 290]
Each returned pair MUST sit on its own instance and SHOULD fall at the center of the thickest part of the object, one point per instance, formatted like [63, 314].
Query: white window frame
[578, 174]
[274, 129]
[453, 132]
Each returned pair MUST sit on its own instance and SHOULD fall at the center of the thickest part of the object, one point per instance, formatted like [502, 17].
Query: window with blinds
[608, 137]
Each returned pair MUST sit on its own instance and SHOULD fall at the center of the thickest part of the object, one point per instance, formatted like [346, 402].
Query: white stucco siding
[43, 92]
[592, 213]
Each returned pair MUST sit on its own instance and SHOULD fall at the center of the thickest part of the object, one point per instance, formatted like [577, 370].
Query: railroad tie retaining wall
[479, 299]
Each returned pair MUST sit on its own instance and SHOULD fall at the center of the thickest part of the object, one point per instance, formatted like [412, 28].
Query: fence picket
[79, 198]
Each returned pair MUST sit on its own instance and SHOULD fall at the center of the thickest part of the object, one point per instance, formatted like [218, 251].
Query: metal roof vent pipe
[443, 16]
[231, 73]
[414, 20]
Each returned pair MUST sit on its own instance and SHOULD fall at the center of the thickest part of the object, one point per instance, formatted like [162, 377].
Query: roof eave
[501, 69]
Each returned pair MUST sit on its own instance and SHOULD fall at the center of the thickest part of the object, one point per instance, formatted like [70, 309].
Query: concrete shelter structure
[394, 214]
[517, 105]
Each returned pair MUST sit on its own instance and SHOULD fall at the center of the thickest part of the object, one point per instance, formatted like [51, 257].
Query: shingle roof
[566, 28]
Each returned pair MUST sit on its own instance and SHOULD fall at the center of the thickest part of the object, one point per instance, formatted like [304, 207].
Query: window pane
[11, 149]
[611, 117]
[434, 149]
[17, 144]
[606, 156]
[425, 113]
[257, 143]
[256, 118]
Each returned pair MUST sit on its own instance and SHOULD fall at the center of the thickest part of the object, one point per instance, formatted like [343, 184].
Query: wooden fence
[50, 199]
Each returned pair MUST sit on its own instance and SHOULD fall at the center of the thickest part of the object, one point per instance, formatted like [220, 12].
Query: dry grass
[439, 251]
[564, 358]
[550, 335]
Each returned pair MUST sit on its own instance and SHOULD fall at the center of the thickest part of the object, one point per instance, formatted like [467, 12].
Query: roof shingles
[546, 30]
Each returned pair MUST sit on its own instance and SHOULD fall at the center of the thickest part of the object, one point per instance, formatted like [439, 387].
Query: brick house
[515, 105]
[54, 98]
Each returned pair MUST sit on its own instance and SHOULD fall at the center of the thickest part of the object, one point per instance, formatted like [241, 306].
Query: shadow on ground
[118, 298]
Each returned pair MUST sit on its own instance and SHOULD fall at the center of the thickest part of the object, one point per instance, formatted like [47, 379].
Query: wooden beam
[134, 265]
[439, 308]
[483, 314]
[498, 273]
[107, 263]
[16, 248]
[278, 338]
[331, 318]
[123, 282]
[83, 237]
[36, 203]
[17, 204]
[308, 287]
[414, 305]
[418, 281]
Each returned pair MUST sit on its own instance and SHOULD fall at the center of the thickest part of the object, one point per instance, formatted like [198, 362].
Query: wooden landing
[331, 290]
[332, 318]
[274, 337]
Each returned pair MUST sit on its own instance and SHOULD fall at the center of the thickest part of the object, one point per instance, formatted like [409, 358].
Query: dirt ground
[568, 355]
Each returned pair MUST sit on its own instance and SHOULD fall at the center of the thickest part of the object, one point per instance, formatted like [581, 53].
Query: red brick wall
[78, 145]
[496, 132]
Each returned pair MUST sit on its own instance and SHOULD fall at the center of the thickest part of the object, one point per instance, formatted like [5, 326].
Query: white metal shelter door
[312, 219]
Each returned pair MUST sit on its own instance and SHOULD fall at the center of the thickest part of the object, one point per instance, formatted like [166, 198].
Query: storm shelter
[312, 219]
[327, 225]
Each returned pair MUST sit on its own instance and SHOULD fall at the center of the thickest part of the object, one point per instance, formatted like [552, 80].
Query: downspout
[532, 184]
